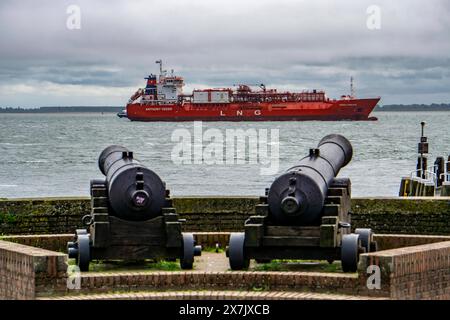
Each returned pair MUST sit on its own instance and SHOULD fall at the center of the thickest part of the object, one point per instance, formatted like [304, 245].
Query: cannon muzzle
[135, 193]
[297, 197]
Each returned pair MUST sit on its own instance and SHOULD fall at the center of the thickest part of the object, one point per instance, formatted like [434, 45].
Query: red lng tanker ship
[163, 100]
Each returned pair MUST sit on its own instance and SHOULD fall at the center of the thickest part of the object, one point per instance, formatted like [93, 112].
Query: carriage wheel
[84, 252]
[236, 252]
[187, 260]
[365, 235]
[349, 252]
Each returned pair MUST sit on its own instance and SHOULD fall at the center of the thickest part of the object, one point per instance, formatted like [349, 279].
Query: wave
[37, 161]
[21, 144]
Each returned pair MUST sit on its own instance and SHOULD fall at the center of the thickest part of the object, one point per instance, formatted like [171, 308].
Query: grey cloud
[292, 43]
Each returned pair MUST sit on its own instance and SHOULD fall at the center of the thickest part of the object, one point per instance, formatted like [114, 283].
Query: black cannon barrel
[297, 197]
[135, 192]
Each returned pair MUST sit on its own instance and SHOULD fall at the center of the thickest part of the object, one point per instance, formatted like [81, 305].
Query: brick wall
[394, 241]
[210, 239]
[52, 242]
[40, 216]
[419, 272]
[225, 214]
[384, 241]
[58, 242]
[428, 216]
[27, 271]
[199, 280]
[212, 295]
[215, 214]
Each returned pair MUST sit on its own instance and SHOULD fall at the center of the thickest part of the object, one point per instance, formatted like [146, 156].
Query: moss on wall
[404, 216]
[44, 215]
[202, 205]
[384, 215]
[400, 205]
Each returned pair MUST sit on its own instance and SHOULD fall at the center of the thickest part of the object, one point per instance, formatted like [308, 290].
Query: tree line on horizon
[414, 107]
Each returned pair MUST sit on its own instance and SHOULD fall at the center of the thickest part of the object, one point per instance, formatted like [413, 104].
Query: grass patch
[8, 218]
[298, 265]
[143, 265]
[213, 250]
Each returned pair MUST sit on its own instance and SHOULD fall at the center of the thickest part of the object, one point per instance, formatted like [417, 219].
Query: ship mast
[162, 73]
[160, 66]
[352, 87]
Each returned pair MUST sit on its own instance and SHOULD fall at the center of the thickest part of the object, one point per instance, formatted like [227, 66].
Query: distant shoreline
[414, 107]
[107, 109]
[61, 109]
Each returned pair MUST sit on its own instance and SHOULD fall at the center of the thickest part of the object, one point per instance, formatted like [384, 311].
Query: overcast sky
[294, 45]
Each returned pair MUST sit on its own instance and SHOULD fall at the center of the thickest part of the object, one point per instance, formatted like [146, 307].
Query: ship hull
[338, 110]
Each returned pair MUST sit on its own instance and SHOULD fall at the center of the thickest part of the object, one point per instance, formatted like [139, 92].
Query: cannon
[305, 214]
[132, 217]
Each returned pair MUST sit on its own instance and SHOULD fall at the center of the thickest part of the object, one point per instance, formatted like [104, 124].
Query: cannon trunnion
[132, 217]
[305, 214]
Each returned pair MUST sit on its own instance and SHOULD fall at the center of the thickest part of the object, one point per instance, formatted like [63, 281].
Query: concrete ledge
[26, 271]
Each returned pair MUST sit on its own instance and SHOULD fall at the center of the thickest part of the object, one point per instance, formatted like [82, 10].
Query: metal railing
[446, 174]
[430, 175]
